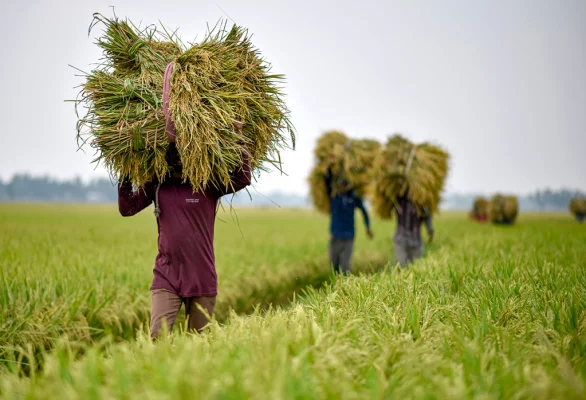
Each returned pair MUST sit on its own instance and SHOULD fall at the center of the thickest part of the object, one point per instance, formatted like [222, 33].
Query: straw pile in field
[480, 208]
[347, 158]
[406, 169]
[578, 205]
[503, 209]
[221, 81]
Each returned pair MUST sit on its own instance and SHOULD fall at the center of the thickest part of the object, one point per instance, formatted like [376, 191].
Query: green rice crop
[85, 272]
[491, 313]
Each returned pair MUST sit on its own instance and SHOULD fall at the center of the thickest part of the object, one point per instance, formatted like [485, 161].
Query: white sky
[500, 84]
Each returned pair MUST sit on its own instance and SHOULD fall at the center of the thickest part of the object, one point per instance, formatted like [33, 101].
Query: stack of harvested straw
[503, 209]
[347, 158]
[480, 209]
[406, 169]
[578, 208]
[215, 84]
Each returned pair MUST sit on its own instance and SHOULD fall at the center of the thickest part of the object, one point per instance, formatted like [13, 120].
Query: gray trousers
[406, 254]
[340, 254]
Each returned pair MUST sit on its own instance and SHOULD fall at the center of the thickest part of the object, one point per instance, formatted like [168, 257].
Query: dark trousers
[340, 252]
[405, 254]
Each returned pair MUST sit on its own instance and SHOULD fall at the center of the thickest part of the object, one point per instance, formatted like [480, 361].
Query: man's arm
[360, 205]
[429, 225]
[131, 202]
[240, 178]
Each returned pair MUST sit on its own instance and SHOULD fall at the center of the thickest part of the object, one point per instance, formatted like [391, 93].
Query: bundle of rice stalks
[317, 190]
[351, 159]
[503, 209]
[327, 149]
[219, 82]
[406, 169]
[480, 209]
[358, 165]
[122, 97]
[578, 206]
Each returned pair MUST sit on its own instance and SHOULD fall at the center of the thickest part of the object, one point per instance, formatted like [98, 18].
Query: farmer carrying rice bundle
[479, 210]
[338, 183]
[184, 126]
[578, 208]
[503, 210]
[351, 159]
[409, 182]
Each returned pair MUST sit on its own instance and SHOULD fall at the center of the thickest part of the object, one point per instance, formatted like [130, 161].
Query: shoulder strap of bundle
[157, 211]
[410, 160]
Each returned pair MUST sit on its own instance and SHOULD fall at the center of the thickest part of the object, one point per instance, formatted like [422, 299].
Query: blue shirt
[342, 208]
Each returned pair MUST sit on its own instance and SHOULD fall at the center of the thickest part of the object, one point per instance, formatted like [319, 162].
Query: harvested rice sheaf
[221, 81]
[503, 209]
[317, 190]
[480, 208]
[578, 205]
[417, 171]
[351, 159]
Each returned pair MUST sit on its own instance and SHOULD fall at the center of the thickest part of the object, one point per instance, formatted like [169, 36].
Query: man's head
[173, 159]
[344, 185]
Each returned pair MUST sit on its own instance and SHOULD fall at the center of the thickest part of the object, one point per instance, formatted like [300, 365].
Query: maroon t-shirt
[185, 264]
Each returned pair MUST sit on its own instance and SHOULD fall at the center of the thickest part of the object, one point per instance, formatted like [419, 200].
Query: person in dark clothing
[343, 202]
[184, 269]
[407, 240]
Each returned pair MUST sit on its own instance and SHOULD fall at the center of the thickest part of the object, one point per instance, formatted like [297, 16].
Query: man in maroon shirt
[185, 266]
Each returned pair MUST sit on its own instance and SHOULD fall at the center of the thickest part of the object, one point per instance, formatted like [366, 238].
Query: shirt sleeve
[132, 202]
[360, 205]
[428, 224]
[240, 178]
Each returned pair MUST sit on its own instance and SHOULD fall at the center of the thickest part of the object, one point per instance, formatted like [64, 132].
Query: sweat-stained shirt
[185, 264]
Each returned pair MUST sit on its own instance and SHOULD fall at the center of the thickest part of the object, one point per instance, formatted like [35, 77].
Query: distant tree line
[550, 199]
[25, 187]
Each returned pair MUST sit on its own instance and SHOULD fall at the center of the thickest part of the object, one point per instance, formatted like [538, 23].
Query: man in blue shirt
[343, 202]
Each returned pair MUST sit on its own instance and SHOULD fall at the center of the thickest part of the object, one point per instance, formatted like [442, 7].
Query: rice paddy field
[490, 313]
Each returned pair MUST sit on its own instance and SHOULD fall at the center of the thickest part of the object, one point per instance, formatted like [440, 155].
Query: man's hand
[431, 237]
[370, 234]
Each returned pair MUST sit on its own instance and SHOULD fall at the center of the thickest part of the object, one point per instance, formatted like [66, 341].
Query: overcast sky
[500, 84]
